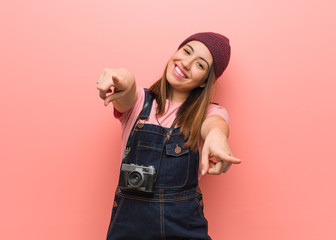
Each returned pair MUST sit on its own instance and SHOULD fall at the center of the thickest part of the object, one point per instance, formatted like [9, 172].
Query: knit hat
[219, 47]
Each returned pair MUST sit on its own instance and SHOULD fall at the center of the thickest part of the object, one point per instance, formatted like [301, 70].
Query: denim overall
[175, 209]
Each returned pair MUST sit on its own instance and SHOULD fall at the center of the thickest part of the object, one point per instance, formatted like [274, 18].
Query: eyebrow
[199, 57]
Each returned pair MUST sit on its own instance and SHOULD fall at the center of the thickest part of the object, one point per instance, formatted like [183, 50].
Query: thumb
[204, 162]
[112, 97]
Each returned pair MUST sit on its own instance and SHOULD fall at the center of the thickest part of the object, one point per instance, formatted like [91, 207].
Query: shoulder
[215, 109]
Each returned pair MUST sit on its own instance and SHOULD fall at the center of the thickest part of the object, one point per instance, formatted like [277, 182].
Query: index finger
[221, 155]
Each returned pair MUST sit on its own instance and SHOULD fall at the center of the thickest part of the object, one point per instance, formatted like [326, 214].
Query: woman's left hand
[216, 146]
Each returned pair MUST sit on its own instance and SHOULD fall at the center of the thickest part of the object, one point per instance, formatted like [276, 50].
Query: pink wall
[60, 145]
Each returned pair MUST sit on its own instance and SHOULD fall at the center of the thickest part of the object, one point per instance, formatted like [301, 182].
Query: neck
[179, 96]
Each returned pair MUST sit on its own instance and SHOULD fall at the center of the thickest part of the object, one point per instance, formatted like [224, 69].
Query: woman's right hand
[120, 86]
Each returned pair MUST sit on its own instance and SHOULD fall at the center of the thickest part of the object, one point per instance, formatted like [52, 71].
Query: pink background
[60, 145]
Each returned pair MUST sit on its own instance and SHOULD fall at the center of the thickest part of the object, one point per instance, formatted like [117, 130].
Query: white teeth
[179, 72]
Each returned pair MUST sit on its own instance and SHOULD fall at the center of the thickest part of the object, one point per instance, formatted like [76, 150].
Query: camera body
[137, 177]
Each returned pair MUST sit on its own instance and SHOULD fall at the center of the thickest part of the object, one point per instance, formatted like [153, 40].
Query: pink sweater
[128, 118]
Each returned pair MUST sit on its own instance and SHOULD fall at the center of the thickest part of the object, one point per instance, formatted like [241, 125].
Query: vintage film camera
[137, 177]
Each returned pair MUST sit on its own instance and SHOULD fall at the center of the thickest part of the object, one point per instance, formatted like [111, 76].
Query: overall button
[178, 149]
[140, 125]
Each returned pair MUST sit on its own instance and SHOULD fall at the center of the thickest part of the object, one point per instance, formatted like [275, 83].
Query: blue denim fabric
[175, 210]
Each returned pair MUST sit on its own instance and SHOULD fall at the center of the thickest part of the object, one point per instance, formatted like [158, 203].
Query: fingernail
[203, 172]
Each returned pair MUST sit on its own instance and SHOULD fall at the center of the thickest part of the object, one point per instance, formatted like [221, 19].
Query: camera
[137, 177]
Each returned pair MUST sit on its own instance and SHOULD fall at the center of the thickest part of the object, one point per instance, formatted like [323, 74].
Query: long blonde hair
[192, 112]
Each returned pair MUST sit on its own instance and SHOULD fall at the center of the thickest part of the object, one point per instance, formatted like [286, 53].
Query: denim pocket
[176, 150]
[174, 166]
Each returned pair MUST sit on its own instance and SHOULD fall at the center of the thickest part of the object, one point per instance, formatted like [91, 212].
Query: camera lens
[135, 179]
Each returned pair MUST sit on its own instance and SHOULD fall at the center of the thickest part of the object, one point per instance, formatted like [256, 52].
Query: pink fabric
[128, 118]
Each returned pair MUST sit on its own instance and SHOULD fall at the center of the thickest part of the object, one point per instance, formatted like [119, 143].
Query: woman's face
[188, 68]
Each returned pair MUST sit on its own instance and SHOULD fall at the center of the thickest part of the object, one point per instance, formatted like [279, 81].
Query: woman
[169, 134]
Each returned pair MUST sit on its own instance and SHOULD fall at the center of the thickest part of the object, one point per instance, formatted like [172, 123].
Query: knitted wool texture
[219, 47]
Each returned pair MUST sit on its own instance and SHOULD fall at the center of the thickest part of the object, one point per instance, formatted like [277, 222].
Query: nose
[186, 63]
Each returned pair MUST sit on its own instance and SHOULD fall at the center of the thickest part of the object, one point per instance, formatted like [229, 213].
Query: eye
[186, 51]
[200, 65]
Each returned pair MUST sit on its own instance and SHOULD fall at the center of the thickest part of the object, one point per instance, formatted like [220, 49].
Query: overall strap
[144, 114]
[147, 109]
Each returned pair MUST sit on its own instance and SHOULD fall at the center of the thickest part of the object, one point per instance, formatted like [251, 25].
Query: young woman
[172, 135]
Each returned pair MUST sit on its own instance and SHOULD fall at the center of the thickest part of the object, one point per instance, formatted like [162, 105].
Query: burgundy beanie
[219, 47]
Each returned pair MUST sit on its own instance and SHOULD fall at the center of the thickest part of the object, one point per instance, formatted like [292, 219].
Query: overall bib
[175, 209]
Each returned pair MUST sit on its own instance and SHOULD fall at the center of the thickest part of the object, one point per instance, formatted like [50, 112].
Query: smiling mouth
[179, 72]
